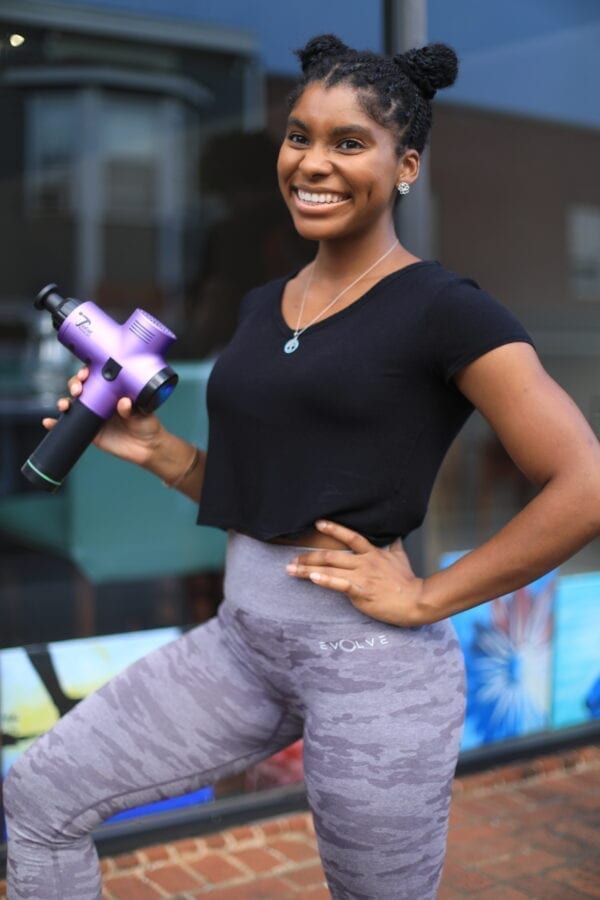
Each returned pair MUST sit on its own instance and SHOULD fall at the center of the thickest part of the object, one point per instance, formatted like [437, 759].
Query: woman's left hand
[378, 582]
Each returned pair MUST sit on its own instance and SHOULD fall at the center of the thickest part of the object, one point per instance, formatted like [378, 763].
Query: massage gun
[124, 361]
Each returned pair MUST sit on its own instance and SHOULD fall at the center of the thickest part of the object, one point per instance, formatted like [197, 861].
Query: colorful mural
[508, 649]
[576, 694]
[532, 661]
[42, 682]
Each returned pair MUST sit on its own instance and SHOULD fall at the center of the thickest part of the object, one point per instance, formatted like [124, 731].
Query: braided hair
[394, 91]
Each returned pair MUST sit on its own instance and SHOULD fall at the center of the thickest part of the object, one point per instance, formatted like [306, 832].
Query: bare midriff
[311, 538]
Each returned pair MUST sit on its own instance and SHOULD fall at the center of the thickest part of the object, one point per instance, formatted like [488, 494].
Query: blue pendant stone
[292, 345]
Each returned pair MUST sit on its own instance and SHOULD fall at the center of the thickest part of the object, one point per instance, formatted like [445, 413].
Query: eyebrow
[338, 131]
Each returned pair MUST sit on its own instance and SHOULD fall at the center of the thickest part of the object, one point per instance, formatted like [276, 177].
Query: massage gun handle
[61, 448]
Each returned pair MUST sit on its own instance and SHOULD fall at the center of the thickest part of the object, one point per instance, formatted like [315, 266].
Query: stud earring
[403, 188]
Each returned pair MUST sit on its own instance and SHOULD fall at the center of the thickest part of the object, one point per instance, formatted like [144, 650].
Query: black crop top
[353, 426]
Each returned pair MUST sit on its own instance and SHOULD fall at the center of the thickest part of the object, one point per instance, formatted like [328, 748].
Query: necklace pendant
[291, 345]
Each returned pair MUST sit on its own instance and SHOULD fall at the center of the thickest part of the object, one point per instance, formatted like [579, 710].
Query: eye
[350, 144]
[294, 137]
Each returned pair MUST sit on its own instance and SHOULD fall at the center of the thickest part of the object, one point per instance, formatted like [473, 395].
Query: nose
[315, 162]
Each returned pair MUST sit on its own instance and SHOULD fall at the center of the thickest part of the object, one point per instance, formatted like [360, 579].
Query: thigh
[380, 747]
[179, 718]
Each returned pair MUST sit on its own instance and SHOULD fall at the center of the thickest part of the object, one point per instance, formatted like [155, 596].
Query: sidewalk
[518, 832]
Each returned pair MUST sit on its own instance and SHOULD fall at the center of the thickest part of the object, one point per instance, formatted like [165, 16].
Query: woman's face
[337, 168]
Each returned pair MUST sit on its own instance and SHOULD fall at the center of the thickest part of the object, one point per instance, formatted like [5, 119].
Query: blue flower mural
[508, 649]
[509, 662]
[576, 650]
[592, 701]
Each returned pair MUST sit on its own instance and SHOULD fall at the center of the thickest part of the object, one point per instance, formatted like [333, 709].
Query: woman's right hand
[127, 434]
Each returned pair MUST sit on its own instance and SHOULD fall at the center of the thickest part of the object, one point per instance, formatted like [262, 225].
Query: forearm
[175, 462]
[558, 522]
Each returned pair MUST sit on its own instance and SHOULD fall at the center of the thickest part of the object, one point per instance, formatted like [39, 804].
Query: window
[130, 150]
[51, 150]
[583, 247]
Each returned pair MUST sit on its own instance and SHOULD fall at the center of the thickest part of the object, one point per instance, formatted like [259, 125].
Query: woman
[331, 410]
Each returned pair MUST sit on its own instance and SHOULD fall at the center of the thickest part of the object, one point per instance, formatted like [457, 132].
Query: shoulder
[462, 321]
[453, 295]
[433, 285]
[441, 285]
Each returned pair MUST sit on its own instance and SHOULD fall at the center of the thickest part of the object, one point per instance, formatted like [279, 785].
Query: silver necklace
[293, 342]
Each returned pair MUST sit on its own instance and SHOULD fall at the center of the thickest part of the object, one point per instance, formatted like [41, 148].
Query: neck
[338, 259]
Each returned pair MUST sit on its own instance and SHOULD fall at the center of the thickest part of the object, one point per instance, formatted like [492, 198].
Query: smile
[320, 199]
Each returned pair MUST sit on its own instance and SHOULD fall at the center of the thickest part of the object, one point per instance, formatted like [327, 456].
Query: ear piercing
[403, 188]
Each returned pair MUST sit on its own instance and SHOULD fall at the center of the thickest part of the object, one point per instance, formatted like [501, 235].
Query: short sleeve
[463, 323]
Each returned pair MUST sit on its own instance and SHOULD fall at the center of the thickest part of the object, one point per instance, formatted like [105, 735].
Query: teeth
[308, 197]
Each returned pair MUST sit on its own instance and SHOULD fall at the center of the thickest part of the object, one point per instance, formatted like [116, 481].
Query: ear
[408, 167]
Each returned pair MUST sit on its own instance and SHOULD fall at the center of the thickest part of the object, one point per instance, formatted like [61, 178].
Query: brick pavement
[517, 832]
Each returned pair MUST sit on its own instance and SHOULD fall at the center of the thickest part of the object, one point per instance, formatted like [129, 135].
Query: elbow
[588, 506]
[580, 502]
[594, 492]
[596, 512]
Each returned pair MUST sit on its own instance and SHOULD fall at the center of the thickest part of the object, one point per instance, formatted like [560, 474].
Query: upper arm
[539, 425]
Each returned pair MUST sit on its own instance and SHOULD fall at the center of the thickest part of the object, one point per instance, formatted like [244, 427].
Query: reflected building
[137, 168]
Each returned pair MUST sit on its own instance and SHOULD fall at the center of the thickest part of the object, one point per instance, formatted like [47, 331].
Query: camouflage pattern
[380, 709]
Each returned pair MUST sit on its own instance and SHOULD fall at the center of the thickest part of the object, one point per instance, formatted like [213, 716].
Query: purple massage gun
[124, 361]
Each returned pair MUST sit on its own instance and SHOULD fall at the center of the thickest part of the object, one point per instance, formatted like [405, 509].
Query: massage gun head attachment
[59, 307]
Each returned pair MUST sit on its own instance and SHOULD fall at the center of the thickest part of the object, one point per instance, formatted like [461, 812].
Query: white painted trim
[101, 76]
[115, 23]
[254, 102]
[89, 252]
[171, 203]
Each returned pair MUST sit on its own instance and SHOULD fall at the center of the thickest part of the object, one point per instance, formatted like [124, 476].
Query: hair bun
[318, 48]
[431, 67]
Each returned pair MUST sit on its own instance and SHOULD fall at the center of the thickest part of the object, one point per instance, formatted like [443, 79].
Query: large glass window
[513, 161]
[137, 168]
[512, 168]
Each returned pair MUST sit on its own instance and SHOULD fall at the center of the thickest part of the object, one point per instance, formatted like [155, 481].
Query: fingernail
[321, 524]
[314, 576]
[292, 568]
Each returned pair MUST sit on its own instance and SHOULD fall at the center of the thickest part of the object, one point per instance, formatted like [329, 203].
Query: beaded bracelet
[181, 478]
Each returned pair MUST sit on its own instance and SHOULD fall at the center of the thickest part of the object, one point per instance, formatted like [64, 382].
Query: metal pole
[405, 26]
[405, 23]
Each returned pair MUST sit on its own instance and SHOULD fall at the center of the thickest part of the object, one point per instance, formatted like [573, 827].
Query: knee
[10, 791]
[14, 788]
[14, 794]
[26, 799]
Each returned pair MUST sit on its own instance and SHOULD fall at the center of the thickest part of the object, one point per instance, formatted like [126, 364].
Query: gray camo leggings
[380, 709]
